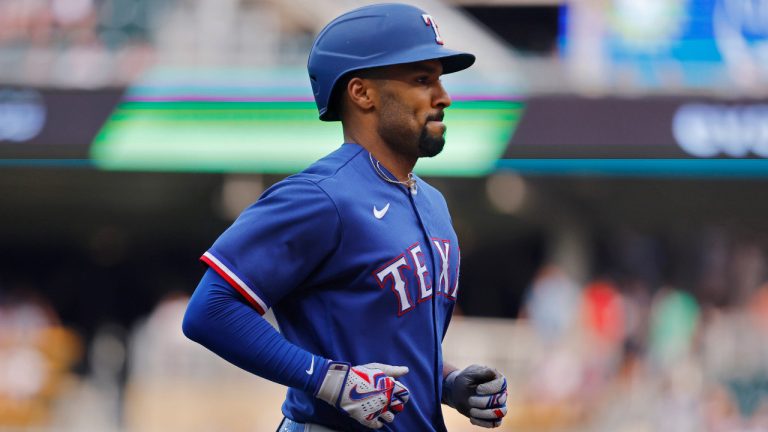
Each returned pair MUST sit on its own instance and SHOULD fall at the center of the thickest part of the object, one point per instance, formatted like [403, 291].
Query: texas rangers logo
[430, 22]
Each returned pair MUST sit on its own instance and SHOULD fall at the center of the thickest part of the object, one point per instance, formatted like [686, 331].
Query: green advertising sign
[265, 121]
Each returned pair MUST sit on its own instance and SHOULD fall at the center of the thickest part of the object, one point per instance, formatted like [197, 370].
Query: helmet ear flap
[337, 96]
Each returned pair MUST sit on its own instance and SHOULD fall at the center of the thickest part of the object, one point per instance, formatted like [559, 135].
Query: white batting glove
[479, 393]
[367, 393]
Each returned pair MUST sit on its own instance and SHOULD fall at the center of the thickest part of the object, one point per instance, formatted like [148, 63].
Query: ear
[361, 93]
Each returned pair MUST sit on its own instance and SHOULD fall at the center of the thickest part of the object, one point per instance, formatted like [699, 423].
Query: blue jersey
[356, 269]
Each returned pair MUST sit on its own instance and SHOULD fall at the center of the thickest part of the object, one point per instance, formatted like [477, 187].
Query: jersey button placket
[435, 288]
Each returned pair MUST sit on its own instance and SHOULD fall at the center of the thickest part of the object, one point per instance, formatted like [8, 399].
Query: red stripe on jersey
[234, 283]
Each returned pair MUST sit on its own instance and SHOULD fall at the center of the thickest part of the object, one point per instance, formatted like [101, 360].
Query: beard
[395, 131]
[431, 145]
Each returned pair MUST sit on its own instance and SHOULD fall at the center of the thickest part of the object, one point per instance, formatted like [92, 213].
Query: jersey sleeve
[276, 243]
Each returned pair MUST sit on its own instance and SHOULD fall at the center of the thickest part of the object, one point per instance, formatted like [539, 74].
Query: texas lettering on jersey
[411, 268]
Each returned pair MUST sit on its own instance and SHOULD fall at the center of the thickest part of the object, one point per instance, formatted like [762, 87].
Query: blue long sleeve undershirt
[220, 319]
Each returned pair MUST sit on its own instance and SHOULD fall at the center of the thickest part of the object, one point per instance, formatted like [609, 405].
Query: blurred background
[605, 166]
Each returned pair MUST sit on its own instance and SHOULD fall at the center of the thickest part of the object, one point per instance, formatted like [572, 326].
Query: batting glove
[367, 393]
[479, 393]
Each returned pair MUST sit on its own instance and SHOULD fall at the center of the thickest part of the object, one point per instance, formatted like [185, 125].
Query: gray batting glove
[367, 393]
[479, 393]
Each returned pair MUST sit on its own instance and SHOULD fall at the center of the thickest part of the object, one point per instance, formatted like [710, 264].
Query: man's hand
[479, 393]
[368, 393]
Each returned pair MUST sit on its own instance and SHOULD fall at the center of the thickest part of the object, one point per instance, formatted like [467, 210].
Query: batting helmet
[373, 36]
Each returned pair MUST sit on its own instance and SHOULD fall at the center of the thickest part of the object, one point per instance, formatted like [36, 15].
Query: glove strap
[448, 387]
[333, 382]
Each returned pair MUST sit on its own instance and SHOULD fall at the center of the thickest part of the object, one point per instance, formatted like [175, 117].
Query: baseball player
[355, 255]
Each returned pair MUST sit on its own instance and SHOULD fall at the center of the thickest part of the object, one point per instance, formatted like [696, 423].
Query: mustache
[436, 117]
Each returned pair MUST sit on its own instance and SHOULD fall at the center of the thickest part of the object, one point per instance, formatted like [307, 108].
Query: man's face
[411, 108]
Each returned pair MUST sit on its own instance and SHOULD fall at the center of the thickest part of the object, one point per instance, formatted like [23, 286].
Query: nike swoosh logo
[311, 367]
[355, 395]
[378, 214]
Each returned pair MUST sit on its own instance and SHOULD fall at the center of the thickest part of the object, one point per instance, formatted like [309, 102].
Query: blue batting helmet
[373, 36]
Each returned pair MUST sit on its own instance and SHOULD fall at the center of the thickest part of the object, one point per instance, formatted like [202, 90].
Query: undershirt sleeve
[220, 319]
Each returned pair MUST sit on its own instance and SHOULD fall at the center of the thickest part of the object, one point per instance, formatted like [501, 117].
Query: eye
[422, 79]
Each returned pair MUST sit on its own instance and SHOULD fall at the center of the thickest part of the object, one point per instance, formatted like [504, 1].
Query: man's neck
[398, 164]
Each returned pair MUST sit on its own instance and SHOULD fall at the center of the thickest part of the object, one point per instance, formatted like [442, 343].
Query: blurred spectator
[553, 303]
[36, 357]
[673, 325]
[80, 43]
[64, 23]
[603, 311]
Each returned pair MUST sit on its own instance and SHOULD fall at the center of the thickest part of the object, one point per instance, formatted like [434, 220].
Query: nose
[441, 98]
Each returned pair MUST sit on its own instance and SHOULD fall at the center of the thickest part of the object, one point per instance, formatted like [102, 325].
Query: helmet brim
[457, 62]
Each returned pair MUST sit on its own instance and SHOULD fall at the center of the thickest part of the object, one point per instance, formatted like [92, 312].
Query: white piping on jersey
[236, 279]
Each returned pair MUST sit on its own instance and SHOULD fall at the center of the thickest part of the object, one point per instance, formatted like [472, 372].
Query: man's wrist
[448, 387]
[332, 379]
